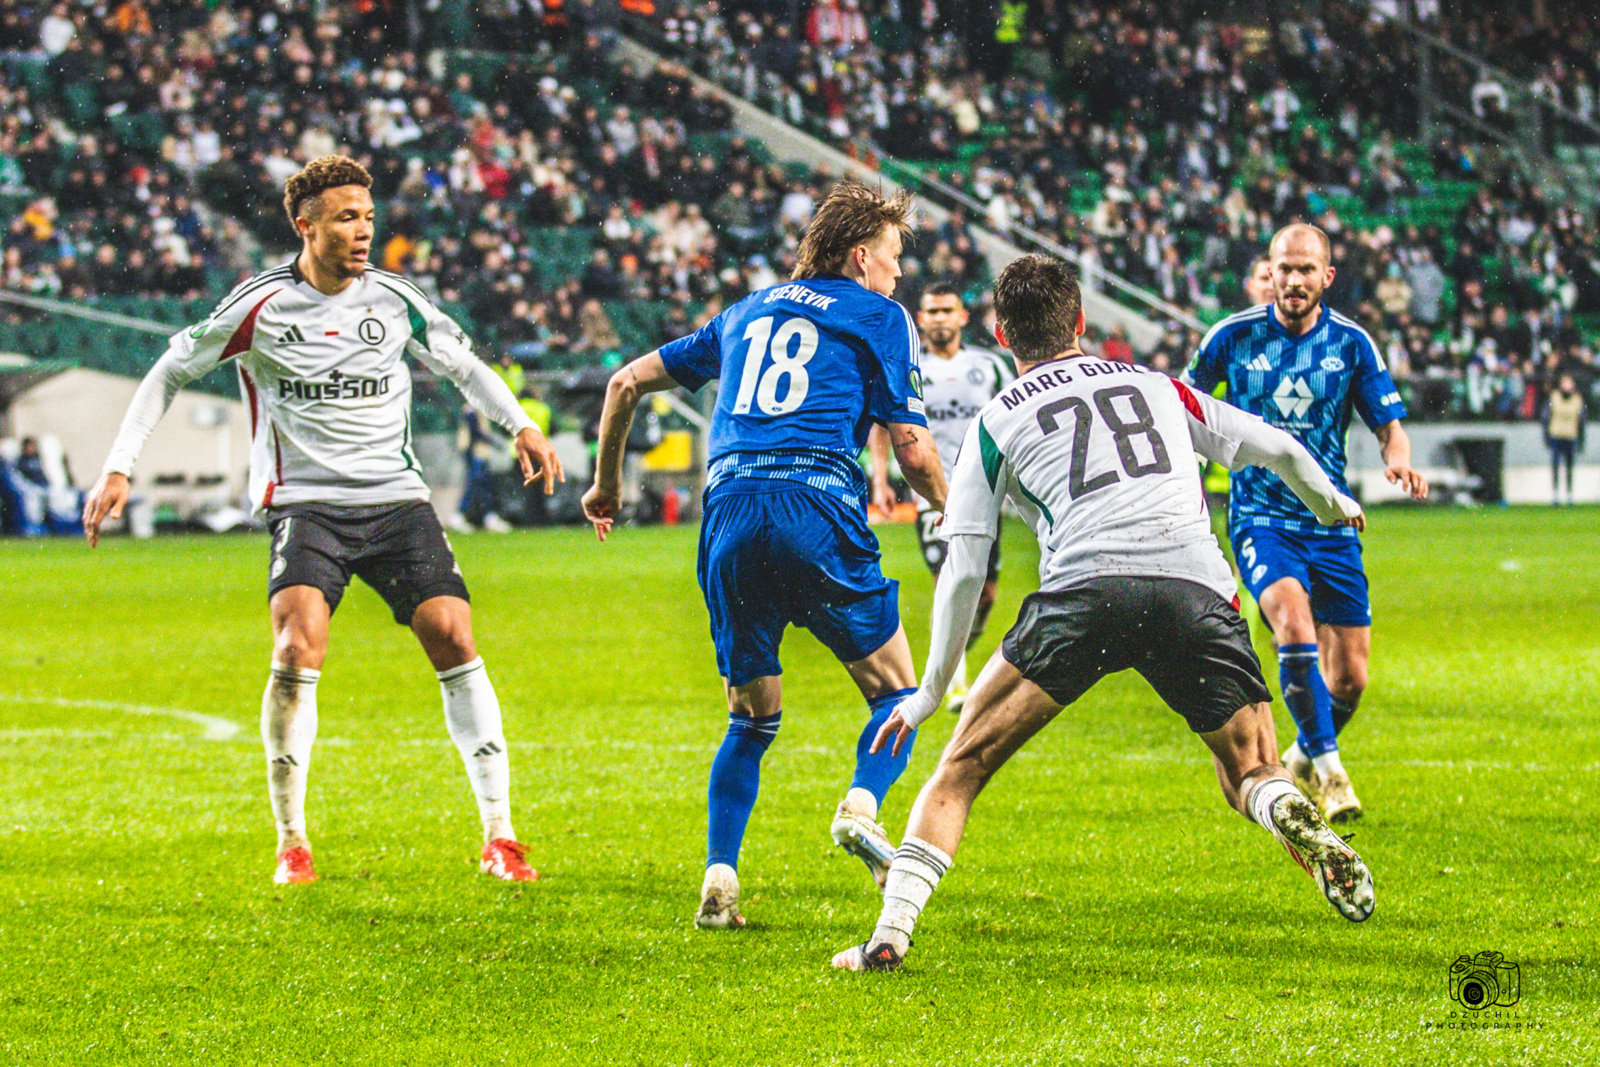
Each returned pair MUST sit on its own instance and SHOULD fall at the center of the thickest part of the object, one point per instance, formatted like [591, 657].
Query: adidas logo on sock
[291, 336]
[490, 749]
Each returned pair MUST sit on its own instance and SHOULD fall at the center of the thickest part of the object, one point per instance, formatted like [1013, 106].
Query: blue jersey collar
[1323, 317]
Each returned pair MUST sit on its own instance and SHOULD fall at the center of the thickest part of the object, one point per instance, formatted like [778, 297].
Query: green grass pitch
[1106, 906]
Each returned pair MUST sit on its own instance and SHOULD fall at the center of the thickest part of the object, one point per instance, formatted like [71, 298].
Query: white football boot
[864, 838]
[1339, 872]
[1336, 798]
[719, 899]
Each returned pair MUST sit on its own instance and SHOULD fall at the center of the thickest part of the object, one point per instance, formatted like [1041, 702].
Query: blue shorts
[1328, 568]
[785, 554]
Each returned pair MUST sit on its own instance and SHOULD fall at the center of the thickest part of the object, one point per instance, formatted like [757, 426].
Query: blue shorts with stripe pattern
[1328, 568]
[775, 553]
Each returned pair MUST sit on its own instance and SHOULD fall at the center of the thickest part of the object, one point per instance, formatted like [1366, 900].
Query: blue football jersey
[1307, 386]
[806, 368]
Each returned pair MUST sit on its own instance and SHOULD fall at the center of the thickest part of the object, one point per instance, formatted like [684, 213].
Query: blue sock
[877, 773]
[1300, 677]
[1342, 711]
[735, 779]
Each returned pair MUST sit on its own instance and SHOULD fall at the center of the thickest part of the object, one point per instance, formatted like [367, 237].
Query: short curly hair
[316, 178]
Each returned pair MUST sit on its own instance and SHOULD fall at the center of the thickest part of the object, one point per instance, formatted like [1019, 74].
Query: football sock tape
[915, 874]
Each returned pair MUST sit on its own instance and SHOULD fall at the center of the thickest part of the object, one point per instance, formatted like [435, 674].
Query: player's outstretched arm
[647, 374]
[919, 461]
[955, 602]
[1222, 433]
[883, 497]
[150, 401]
[1395, 445]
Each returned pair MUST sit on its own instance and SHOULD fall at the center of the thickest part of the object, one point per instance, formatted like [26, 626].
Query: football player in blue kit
[806, 369]
[1305, 368]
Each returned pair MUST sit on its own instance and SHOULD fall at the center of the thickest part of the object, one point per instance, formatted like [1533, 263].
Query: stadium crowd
[1195, 138]
[141, 152]
[141, 144]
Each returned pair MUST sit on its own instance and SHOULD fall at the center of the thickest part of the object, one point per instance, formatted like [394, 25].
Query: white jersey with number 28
[1099, 457]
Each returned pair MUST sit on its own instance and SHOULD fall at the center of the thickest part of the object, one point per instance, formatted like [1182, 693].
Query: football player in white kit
[956, 382]
[317, 344]
[1099, 458]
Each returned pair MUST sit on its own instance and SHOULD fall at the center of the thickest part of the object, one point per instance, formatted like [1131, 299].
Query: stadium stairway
[792, 146]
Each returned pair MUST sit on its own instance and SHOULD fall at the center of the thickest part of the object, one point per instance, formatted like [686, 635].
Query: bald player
[1305, 368]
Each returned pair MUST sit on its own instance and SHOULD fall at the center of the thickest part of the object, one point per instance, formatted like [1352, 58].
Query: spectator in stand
[1565, 418]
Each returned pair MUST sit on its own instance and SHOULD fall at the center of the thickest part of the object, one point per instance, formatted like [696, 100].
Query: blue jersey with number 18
[806, 368]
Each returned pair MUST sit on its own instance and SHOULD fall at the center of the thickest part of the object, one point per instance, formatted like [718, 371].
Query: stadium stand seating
[527, 177]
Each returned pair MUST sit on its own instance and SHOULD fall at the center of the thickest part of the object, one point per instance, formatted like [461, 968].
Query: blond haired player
[317, 344]
[1099, 458]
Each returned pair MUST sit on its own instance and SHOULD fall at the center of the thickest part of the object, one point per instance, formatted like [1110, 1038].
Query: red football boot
[504, 859]
[294, 867]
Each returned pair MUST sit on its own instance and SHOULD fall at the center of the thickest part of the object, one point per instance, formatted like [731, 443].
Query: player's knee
[1347, 681]
[295, 646]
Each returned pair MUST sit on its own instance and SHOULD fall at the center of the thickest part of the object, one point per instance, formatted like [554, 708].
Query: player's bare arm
[647, 374]
[883, 496]
[1395, 444]
[918, 456]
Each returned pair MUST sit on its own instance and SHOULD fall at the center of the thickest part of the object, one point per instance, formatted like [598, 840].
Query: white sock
[862, 802]
[1328, 764]
[288, 727]
[1294, 754]
[1261, 799]
[916, 871]
[472, 714]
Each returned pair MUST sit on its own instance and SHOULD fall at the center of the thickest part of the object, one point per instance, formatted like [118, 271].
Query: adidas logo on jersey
[1293, 396]
[292, 336]
[1261, 362]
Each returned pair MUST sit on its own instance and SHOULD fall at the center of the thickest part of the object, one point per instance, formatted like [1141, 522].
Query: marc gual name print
[338, 386]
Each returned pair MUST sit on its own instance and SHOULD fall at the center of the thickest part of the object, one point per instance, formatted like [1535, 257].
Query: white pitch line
[220, 729]
[215, 728]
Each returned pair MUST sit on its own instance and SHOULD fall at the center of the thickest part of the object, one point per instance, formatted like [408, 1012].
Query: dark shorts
[398, 549]
[1327, 568]
[1191, 645]
[935, 549]
[791, 555]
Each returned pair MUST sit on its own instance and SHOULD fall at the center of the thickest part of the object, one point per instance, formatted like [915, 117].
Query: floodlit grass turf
[1106, 906]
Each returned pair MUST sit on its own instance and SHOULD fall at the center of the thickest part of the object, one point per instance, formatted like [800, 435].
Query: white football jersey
[954, 390]
[1099, 458]
[328, 393]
